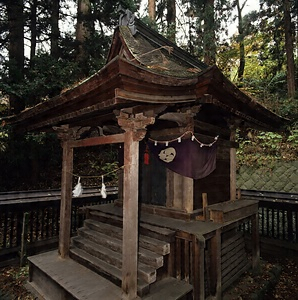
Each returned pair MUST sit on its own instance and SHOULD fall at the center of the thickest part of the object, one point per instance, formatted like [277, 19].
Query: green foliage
[264, 149]
[3, 138]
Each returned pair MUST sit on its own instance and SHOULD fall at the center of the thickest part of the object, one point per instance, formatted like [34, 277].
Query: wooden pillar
[134, 126]
[66, 136]
[255, 242]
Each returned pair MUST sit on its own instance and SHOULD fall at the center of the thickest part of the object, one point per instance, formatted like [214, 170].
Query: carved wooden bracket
[65, 133]
[184, 118]
[135, 123]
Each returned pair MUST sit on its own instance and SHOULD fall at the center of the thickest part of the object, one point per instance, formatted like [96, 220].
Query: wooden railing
[278, 214]
[189, 262]
[31, 219]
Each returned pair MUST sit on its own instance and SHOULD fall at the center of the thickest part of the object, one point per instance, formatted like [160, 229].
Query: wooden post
[205, 206]
[255, 242]
[198, 269]
[134, 126]
[233, 174]
[233, 125]
[66, 136]
[216, 264]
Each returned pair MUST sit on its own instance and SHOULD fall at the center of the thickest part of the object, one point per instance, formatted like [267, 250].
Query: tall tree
[171, 20]
[151, 10]
[33, 29]
[83, 31]
[209, 33]
[241, 37]
[55, 6]
[289, 37]
[16, 51]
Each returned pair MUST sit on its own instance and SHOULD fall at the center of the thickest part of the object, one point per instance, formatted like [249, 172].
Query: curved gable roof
[145, 68]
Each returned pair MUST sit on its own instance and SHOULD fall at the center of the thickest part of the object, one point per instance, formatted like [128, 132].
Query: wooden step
[52, 278]
[170, 289]
[115, 218]
[145, 271]
[156, 232]
[106, 218]
[155, 245]
[104, 269]
[110, 242]
[115, 244]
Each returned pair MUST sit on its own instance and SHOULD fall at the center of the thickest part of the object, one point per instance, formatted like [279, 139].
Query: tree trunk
[209, 33]
[33, 31]
[241, 41]
[55, 5]
[151, 10]
[289, 50]
[171, 20]
[83, 30]
[16, 51]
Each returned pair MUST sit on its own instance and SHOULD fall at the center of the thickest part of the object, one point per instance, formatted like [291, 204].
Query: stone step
[104, 269]
[145, 271]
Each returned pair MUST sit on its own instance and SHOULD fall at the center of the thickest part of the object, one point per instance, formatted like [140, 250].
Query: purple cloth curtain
[186, 158]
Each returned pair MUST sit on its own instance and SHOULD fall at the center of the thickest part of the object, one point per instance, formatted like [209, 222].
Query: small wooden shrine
[173, 232]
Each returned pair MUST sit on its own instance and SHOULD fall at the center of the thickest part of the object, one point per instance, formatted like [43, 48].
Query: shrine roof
[146, 71]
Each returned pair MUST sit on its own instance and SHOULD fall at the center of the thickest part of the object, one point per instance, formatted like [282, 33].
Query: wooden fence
[30, 220]
[33, 218]
[278, 214]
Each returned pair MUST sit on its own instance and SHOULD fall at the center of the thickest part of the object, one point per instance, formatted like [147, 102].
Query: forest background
[46, 46]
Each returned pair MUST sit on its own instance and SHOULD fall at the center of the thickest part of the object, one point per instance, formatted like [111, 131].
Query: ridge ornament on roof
[127, 18]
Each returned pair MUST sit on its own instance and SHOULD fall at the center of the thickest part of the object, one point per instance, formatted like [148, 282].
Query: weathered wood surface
[231, 211]
[66, 198]
[80, 282]
[169, 289]
[233, 256]
[166, 224]
[101, 140]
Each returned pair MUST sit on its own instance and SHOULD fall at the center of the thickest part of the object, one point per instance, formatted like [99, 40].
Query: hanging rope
[97, 176]
[193, 138]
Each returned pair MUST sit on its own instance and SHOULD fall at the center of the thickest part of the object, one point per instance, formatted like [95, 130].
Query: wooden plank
[228, 245]
[99, 140]
[66, 199]
[169, 289]
[149, 98]
[228, 281]
[238, 257]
